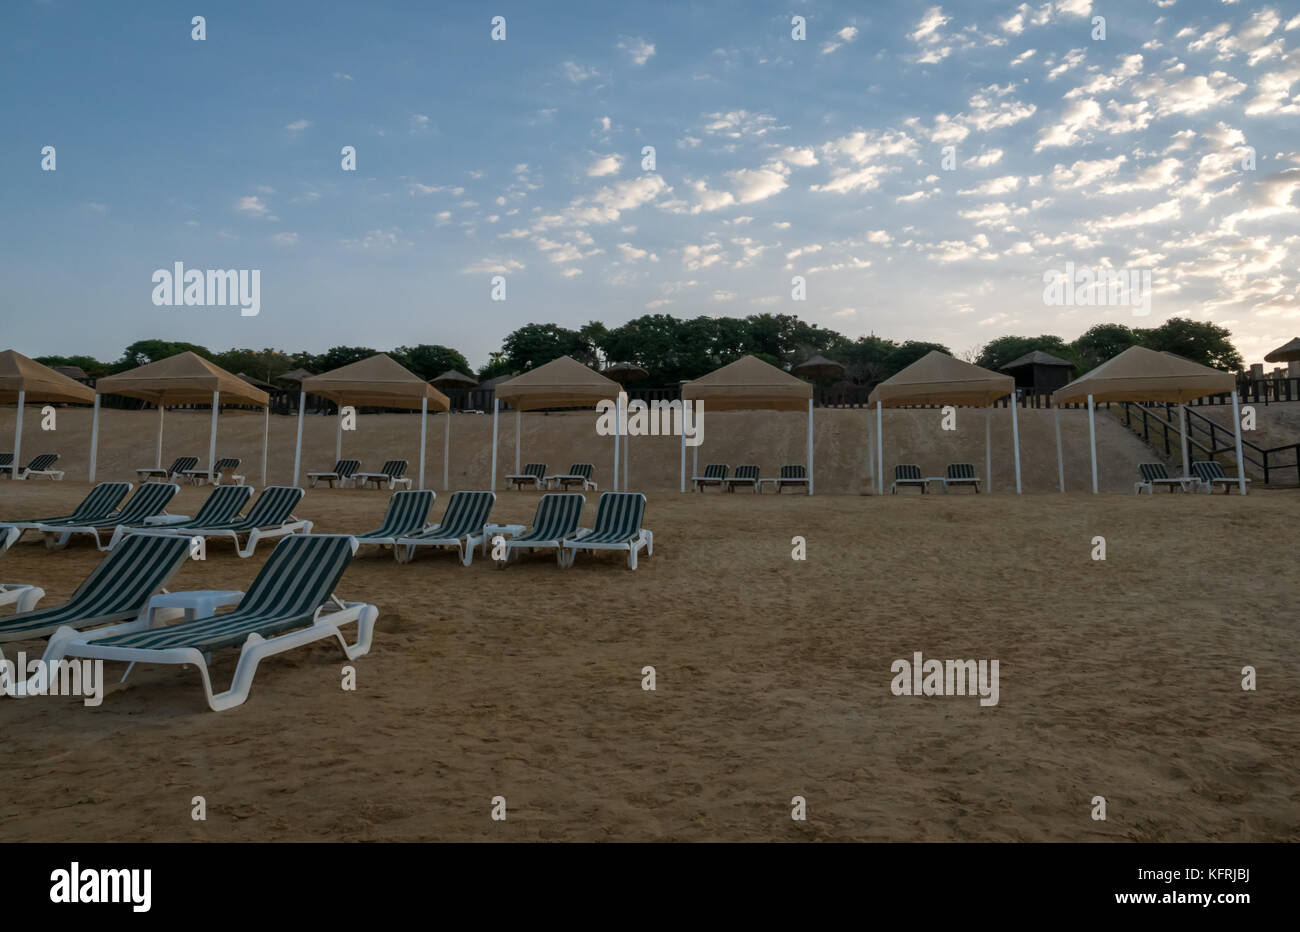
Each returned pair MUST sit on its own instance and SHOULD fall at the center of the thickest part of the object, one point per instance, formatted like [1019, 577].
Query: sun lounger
[579, 474]
[1153, 475]
[119, 588]
[1210, 473]
[744, 475]
[557, 518]
[289, 604]
[38, 468]
[407, 515]
[177, 470]
[391, 473]
[200, 476]
[908, 474]
[150, 500]
[534, 474]
[714, 474]
[271, 516]
[618, 527]
[794, 477]
[462, 527]
[6, 460]
[961, 474]
[223, 504]
[99, 503]
[342, 473]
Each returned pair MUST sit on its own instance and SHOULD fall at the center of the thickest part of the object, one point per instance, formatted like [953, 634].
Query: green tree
[997, 353]
[909, 352]
[337, 356]
[88, 364]
[533, 345]
[497, 365]
[266, 364]
[146, 351]
[429, 361]
[1199, 341]
[1102, 342]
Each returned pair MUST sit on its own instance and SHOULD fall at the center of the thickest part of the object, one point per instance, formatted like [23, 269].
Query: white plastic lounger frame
[617, 527]
[26, 597]
[463, 526]
[150, 500]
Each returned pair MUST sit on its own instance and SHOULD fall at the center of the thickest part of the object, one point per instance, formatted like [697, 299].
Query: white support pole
[212, 438]
[162, 410]
[496, 410]
[880, 451]
[618, 429]
[1182, 429]
[1015, 438]
[810, 446]
[695, 461]
[682, 435]
[446, 452]
[627, 449]
[519, 440]
[424, 427]
[338, 435]
[18, 436]
[1236, 423]
[297, 449]
[1092, 442]
[988, 448]
[1060, 459]
[94, 438]
[266, 437]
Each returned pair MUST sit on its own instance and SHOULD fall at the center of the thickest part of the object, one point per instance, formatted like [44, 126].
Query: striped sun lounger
[6, 460]
[795, 477]
[961, 474]
[1154, 474]
[744, 475]
[271, 516]
[150, 500]
[342, 473]
[579, 474]
[714, 474]
[408, 514]
[534, 474]
[906, 474]
[118, 589]
[392, 473]
[618, 527]
[179, 467]
[1210, 473]
[223, 504]
[200, 476]
[289, 604]
[101, 501]
[557, 518]
[38, 468]
[462, 527]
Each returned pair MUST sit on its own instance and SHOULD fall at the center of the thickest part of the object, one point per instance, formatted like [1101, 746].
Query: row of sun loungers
[909, 474]
[345, 472]
[1207, 475]
[40, 467]
[715, 475]
[534, 476]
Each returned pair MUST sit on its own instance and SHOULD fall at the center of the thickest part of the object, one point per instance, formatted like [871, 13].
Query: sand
[1118, 678]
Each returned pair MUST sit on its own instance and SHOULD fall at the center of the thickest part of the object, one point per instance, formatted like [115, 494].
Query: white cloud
[608, 165]
[493, 267]
[298, 126]
[845, 35]
[577, 74]
[284, 239]
[639, 50]
[252, 204]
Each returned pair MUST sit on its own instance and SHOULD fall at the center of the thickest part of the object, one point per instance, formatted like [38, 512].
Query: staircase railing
[1145, 422]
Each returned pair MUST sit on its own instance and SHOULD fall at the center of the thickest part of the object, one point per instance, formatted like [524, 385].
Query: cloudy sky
[775, 157]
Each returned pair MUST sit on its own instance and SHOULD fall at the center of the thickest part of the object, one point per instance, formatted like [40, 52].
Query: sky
[775, 157]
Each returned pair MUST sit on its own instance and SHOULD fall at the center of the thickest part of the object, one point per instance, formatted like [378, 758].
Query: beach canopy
[819, 367]
[377, 382]
[938, 379]
[749, 384]
[560, 383]
[23, 380]
[185, 378]
[625, 372]
[294, 375]
[1287, 352]
[1037, 358]
[453, 379]
[1140, 374]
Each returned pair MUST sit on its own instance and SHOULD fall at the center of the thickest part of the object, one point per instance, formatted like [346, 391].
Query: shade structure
[1141, 374]
[185, 378]
[749, 384]
[560, 383]
[376, 382]
[819, 367]
[23, 380]
[453, 379]
[295, 375]
[256, 382]
[939, 379]
[625, 372]
[1287, 352]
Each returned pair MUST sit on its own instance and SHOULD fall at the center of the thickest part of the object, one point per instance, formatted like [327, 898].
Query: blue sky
[775, 158]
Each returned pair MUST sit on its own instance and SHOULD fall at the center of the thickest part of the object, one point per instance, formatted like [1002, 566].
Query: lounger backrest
[299, 577]
[6, 459]
[132, 572]
[346, 468]
[793, 472]
[557, 515]
[907, 471]
[393, 469]
[466, 513]
[618, 516]
[42, 462]
[961, 471]
[537, 470]
[182, 464]
[274, 506]
[581, 469]
[742, 472]
[223, 504]
[1151, 471]
[101, 501]
[407, 513]
[1208, 469]
[149, 499]
[228, 462]
[715, 471]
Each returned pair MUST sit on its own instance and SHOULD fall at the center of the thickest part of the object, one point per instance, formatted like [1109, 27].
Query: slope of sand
[1118, 678]
[766, 439]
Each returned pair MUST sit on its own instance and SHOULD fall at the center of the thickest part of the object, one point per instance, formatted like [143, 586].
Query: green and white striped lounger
[408, 514]
[223, 504]
[22, 598]
[714, 474]
[557, 518]
[391, 472]
[6, 460]
[342, 473]
[100, 503]
[744, 475]
[908, 474]
[38, 468]
[579, 474]
[271, 516]
[795, 476]
[618, 527]
[289, 604]
[534, 474]
[200, 476]
[1210, 473]
[179, 467]
[118, 589]
[1154, 474]
[149, 500]
[461, 527]
[961, 474]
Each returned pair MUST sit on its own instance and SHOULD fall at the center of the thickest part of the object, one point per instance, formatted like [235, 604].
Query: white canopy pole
[297, 449]
[519, 440]
[1092, 443]
[1015, 438]
[212, 438]
[446, 452]
[94, 438]
[496, 410]
[810, 446]
[424, 427]
[338, 434]
[1182, 429]
[988, 448]
[627, 449]
[1236, 423]
[18, 435]
[695, 461]
[1060, 460]
[682, 434]
[618, 425]
[158, 454]
[266, 436]
[880, 451]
